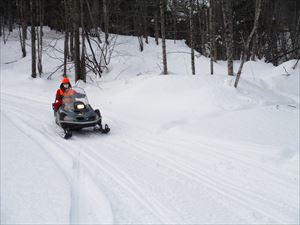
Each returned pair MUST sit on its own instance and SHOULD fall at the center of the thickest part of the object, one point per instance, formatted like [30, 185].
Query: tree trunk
[94, 24]
[138, 23]
[141, 43]
[106, 20]
[10, 17]
[156, 26]
[227, 15]
[76, 21]
[201, 22]
[40, 13]
[163, 36]
[83, 70]
[174, 18]
[145, 22]
[70, 28]
[37, 19]
[3, 30]
[191, 9]
[254, 47]
[212, 36]
[66, 49]
[67, 35]
[66, 53]
[296, 41]
[33, 39]
[214, 29]
[98, 66]
[1, 25]
[22, 29]
[246, 49]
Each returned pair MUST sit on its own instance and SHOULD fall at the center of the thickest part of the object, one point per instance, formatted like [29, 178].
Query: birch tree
[83, 48]
[174, 19]
[212, 34]
[33, 40]
[66, 44]
[76, 23]
[105, 19]
[40, 17]
[156, 27]
[258, 6]
[22, 28]
[191, 9]
[227, 15]
[163, 35]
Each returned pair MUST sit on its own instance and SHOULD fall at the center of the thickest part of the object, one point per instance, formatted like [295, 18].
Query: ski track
[73, 172]
[232, 151]
[126, 183]
[92, 158]
[212, 150]
[182, 167]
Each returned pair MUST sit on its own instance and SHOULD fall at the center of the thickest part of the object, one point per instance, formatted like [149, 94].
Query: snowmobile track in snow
[100, 165]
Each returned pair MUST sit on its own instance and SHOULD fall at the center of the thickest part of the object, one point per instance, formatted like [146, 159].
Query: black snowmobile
[76, 113]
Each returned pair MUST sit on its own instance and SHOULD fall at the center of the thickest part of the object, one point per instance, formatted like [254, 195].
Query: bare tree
[22, 28]
[1, 19]
[145, 20]
[1, 25]
[191, 11]
[258, 6]
[156, 27]
[296, 37]
[106, 20]
[83, 49]
[40, 17]
[66, 43]
[138, 23]
[163, 35]
[10, 16]
[202, 26]
[212, 34]
[94, 24]
[76, 23]
[33, 40]
[174, 19]
[227, 15]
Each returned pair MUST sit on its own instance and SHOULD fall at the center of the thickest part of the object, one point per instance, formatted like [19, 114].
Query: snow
[182, 149]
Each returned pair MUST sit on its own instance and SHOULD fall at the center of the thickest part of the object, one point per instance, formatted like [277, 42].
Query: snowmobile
[76, 113]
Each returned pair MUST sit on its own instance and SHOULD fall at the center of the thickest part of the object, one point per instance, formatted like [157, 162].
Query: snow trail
[80, 161]
[85, 208]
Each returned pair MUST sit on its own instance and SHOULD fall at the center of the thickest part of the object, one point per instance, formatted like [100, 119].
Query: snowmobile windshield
[74, 99]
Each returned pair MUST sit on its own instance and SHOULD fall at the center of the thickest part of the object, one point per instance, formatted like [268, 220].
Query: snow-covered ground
[182, 149]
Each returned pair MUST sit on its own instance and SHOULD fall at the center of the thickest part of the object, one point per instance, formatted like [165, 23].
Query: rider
[65, 86]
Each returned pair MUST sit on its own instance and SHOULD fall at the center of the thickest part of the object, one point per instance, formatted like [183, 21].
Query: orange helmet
[66, 80]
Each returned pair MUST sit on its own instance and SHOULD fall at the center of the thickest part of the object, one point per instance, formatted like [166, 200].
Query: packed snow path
[182, 149]
[139, 177]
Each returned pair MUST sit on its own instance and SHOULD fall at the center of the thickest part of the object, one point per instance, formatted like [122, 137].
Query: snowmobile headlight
[80, 106]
